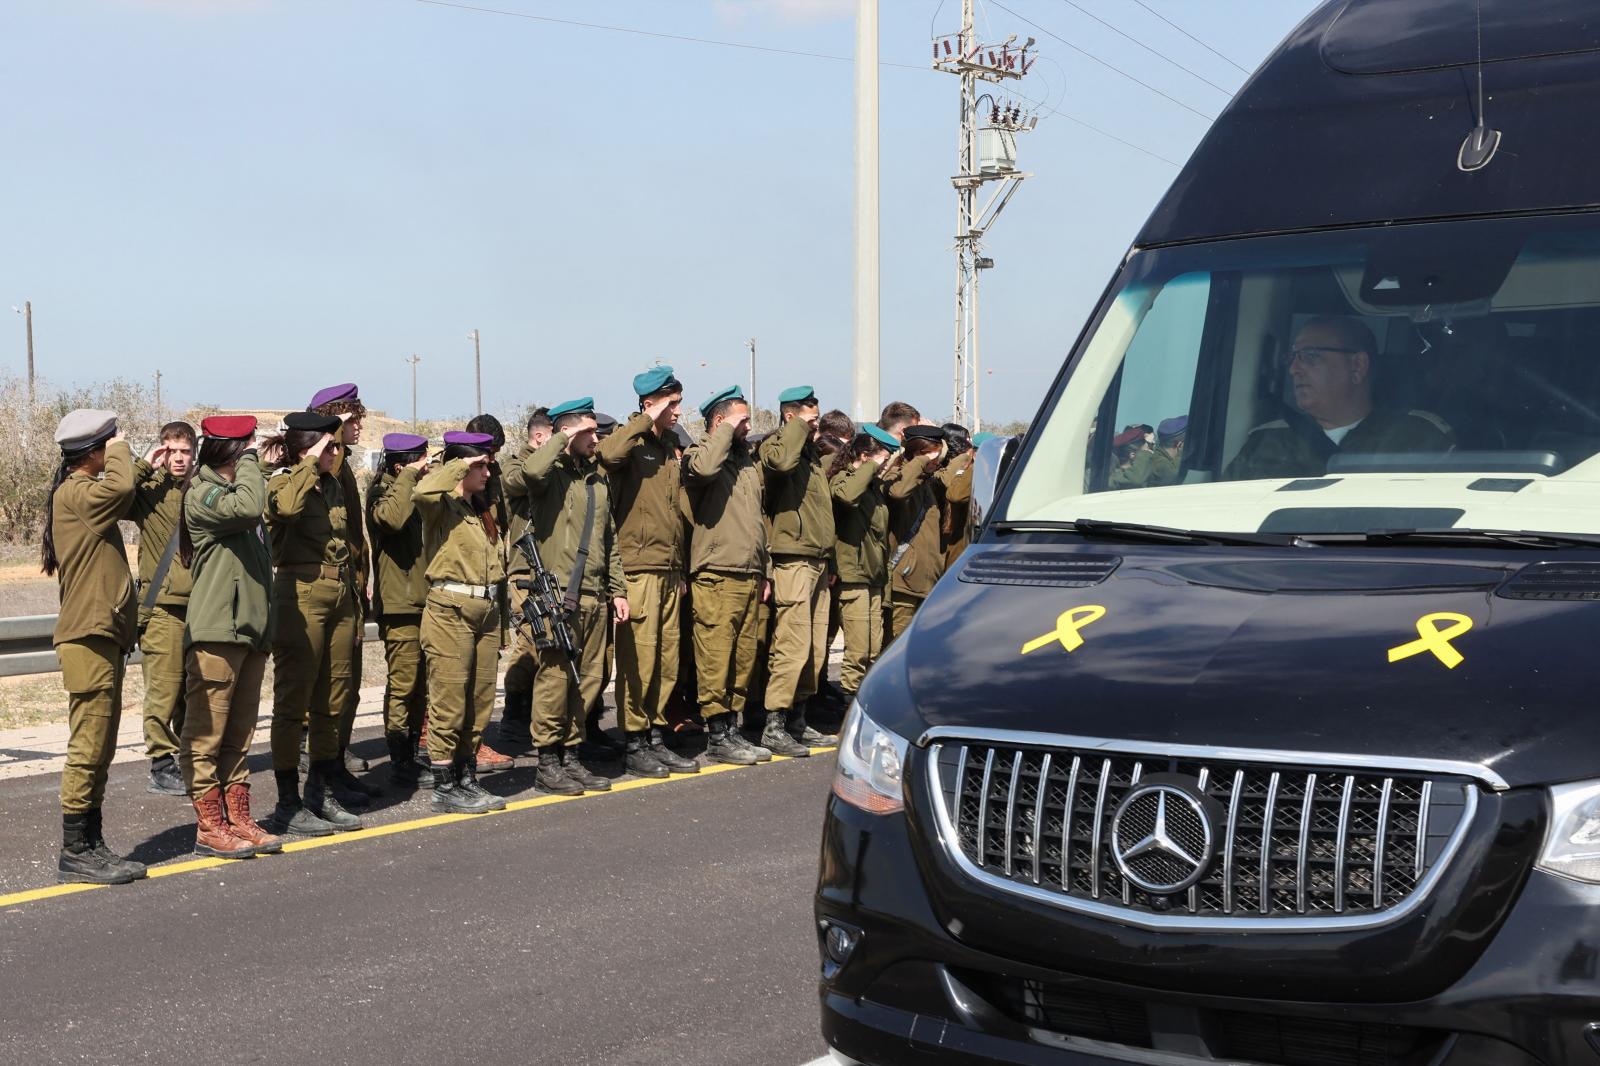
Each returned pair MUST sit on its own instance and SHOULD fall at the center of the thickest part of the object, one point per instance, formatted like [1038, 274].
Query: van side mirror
[990, 461]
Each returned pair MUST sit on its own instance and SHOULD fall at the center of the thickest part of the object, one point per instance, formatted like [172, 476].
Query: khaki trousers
[91, 672]
[162, 645]
[523, 660]
[726, 636]
[219, 723]
[901, 611]
[799, 652]
[861, 618]
[313, 665]
[405, 689]
[647, 649]
[559, 702]
[461, 655]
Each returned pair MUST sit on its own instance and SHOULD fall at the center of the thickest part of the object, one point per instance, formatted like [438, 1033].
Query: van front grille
[1289, 843]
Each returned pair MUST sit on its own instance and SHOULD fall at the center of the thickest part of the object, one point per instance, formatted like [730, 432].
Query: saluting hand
[157, 455]
[316, 450]
[619, 608]
[419, 464]
[271, 454]
[653, 409]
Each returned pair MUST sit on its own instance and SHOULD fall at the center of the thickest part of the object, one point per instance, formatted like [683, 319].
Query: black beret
[924, 433]
[311, 422]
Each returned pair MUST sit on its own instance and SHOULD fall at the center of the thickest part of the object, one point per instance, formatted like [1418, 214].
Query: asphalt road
[668, 923]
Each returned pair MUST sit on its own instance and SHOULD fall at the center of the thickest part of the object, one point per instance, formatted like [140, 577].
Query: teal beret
[583, 405]
[798, 394]
[732, 392]
[655, 379]
[882, 436]
[979, 438]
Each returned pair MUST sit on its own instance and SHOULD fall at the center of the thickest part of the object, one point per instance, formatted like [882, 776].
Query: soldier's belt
[477, 592]
[313, 570]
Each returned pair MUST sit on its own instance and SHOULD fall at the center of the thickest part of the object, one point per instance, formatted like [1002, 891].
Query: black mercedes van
[1274, 739]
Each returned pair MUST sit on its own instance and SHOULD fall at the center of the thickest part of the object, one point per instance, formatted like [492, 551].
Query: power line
[1160, 55]
[1090, 55]
[766, 48]
[654, 33]
[1189, 35]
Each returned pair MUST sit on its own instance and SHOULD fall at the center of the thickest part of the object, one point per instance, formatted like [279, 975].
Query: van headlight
[870, 763]
[1572, 843]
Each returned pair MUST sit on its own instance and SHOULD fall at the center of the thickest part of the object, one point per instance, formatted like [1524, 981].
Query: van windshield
[1428, 376]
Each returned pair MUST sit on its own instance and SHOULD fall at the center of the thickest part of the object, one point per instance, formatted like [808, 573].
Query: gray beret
[82, 429]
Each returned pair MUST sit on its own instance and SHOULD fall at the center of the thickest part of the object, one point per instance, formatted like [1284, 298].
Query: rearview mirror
[990, 462]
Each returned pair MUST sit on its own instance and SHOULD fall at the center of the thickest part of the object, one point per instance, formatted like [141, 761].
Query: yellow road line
[308, 843]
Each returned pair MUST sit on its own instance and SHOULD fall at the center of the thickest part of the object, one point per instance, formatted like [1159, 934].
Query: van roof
[1360, 114]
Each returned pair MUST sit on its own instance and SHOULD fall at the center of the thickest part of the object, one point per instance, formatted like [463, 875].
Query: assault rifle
[543, 611]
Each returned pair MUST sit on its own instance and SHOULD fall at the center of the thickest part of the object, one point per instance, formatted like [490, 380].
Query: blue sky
[261, 197]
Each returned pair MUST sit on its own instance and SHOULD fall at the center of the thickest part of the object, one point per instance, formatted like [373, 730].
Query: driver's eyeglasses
[1312, 358]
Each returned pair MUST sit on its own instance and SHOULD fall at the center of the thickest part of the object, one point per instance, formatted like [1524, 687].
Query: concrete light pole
[414, 360]
[477, 371]
[868, 334]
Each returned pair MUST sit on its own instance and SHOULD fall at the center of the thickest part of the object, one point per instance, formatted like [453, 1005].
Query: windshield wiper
[1138, 531]
[1508, 538]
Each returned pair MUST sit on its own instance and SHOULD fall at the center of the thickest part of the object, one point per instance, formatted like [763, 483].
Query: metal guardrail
[25, 646]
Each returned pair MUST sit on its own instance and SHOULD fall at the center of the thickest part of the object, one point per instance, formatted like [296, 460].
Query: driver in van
[1331, 366]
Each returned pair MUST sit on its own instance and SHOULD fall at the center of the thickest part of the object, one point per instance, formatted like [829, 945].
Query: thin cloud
[786, 12]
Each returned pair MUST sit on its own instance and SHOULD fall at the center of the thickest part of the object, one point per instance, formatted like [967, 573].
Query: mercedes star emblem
[1162, 838]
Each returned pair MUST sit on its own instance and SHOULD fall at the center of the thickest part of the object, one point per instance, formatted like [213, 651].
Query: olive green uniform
[399, 593]
[95, 629]
[645, 480]
[461, 616]
[1163, 469]
[228, 629]
[1297, 447]
[559, 489]
[314, 594]
[915, 502]
[800, 543]
[861, 557]
[955, 481]
[360, 563]
[728, 562]
[523, 660]
[158, 496]
[1136, 474]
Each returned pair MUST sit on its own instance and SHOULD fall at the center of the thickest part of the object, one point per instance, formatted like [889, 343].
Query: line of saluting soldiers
[259, 544]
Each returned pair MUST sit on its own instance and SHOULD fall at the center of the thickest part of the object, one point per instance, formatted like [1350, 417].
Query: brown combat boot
[237, 801]
[490, 760]
[212, 834]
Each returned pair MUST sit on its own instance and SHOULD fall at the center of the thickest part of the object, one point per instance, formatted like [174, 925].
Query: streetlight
[26, 311]
[414, 360]
[477, 369]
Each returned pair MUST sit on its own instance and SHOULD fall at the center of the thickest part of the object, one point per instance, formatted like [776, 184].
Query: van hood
[1331, 651]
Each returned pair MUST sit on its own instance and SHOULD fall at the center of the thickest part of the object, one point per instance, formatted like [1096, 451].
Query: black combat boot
[553, 777]
[674, 762]
[720, 743]
[596, 744]
[350, 789]
[832, 698]
[97, 841]
[516, 722]
[779, 742]
[467, 782]
[290, 815]
[449, 794]
[794, 724]
[640, 760]
[165, 780]
[80, 863]
[404, 769]
[573, 765]
[320, 800]
[419, 740]
[756, 726]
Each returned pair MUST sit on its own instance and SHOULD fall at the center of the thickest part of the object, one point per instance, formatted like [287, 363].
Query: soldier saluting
[641, 462]
[569, 515]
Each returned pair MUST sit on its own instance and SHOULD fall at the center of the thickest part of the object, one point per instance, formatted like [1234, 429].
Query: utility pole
[159, 416]
[414, 360]
[477, 370]
[751, 344]
[984, 154]
[868, 335]
[26, 311]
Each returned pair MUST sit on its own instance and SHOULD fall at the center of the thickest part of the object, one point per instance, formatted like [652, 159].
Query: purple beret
[471, 440]
[404, 442]
[334, 394]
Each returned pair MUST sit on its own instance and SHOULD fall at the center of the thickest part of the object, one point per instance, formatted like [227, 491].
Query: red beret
[229, 427]
[1128, 436]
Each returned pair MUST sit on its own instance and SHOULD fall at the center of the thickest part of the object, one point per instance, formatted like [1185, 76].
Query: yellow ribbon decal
[1435, 639]
[1068, 623]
